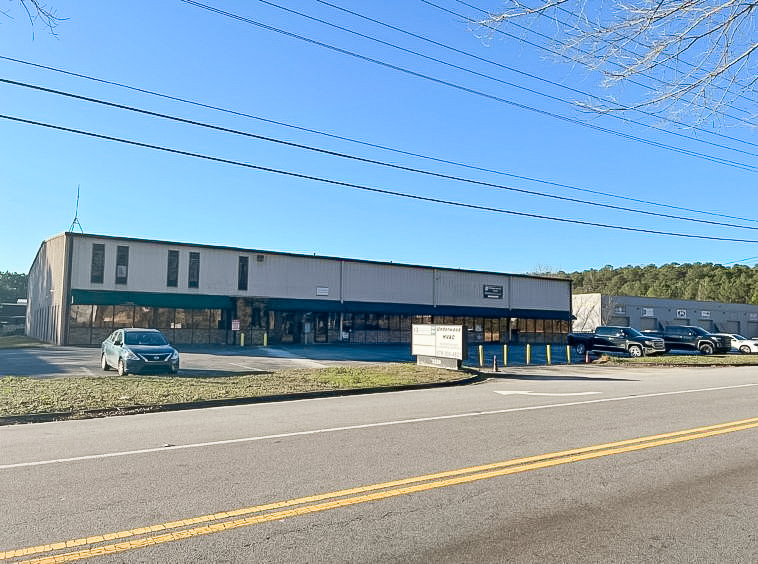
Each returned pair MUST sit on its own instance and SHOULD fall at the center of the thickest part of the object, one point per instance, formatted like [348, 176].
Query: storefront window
[359, 322]
[372, 321]
[143, 316]
[347, 321]
[123, 316]
[164, 318]
[405, 322]
[102, 316]
[80, 316]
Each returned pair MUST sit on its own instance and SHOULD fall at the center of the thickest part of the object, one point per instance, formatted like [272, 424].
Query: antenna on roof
[76, 213]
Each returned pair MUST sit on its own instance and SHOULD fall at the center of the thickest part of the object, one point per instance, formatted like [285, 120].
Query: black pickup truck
[692, 338]
[616, 339]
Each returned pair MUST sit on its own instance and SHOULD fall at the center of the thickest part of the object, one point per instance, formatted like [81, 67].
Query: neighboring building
[12, 318]
[591, 310]
[82, 286]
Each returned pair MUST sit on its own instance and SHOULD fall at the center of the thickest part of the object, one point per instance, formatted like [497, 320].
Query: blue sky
[184, 51]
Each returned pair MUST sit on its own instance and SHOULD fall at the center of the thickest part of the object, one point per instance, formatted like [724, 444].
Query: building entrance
[321, 328]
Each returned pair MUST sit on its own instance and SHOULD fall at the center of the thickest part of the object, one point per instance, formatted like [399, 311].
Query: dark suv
[692, 338]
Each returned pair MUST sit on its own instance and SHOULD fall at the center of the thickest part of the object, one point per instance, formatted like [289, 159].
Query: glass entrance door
[321, 329]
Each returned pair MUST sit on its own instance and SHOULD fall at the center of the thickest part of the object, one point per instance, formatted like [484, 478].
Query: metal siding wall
[45, 291]
[467, 289]
[540, 293]
[298, 277]
[364, 282]
[721, 314]
[289, 277]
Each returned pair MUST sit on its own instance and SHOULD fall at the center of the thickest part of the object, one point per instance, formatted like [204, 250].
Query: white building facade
[591, 310]
[82, 287]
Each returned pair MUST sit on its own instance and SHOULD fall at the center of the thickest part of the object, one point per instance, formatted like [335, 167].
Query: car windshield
[633, 332]
[144, 338]
[739, 337]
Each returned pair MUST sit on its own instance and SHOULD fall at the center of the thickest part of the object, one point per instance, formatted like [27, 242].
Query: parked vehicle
[138, 350]
[741, 344]
[616, 339]
[692, 338]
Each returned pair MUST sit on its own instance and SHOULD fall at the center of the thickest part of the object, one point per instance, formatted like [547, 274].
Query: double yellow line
[216, 522]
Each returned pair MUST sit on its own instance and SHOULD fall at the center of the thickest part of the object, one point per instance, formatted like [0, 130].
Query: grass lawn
[78, 395]
[17, 342]
[689, 360]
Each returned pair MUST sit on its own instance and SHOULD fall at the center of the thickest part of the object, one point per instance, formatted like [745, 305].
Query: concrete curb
[158, 408]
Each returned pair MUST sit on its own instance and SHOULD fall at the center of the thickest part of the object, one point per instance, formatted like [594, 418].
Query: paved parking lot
[50, 362]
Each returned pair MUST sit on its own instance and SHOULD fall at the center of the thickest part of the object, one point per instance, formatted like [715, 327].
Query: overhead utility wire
[685, 62]
[543, 48]
[564, 56]
[727, 162]
[369, 188]
[374, 145]
[361, 159]
[518, 86]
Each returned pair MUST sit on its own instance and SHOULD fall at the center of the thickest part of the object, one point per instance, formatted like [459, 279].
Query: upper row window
[97, 270]
[97, 267]
[122, 264]
[172, 270]
[242, 273]
[194, 270]
[172, 276]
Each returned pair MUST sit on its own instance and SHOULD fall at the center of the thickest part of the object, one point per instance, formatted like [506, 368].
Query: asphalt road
[51, 362]
[266, 482]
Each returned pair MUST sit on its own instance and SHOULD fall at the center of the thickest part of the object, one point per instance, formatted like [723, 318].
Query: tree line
[698, 281]
[12, 286]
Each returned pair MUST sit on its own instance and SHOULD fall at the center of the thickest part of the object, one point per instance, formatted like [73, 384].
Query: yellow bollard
[528, 353]
[548, 355]
[265, 338]
[568, 354]
[242, 338]
[481, 356]
[505, 356]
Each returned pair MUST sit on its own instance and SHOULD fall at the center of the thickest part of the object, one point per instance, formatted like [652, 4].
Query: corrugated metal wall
[45, 291]
[366, 282]
[283, 276]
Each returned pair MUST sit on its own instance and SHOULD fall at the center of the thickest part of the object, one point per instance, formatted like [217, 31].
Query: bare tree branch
[702, 54]
[37, 11]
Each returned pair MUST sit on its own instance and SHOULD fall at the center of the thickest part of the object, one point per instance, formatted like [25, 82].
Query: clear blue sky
[185, 51]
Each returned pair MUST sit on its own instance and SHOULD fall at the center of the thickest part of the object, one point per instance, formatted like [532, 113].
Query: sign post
[442, 346]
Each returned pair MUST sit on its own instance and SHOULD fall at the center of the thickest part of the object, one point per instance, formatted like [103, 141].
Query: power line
[374, 145]
[370, 188]
[727, 162]
[513, 85]
[669, 67]
[360, 159]
[542, 47]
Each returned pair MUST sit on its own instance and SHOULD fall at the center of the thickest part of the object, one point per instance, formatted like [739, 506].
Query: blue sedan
[138, 350]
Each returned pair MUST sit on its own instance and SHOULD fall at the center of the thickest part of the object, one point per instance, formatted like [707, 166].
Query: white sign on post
[438, 341]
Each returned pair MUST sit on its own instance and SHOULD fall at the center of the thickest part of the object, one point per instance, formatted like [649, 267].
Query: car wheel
[635, 351]
[706, 348]
[121, 368]
[744, 349]
[104, 363]
[581, 348]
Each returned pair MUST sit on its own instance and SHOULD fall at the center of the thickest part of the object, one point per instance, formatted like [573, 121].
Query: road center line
[249, 516]
[362, 426]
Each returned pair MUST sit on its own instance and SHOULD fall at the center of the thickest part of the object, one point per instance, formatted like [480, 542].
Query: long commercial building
[83, 286]
[591, 310]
